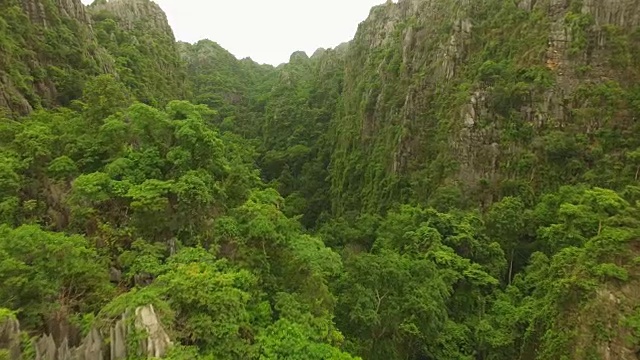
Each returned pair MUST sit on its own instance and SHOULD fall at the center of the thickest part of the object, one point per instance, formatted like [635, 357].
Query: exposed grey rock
[89, 349]
[115, 275]
[119, 339]
[623, 13]
[143, 279]
[157, 343]
[145, 319]
[132, 13]
[92, 347]
[37, 12]
[10, 337]
[45, 348]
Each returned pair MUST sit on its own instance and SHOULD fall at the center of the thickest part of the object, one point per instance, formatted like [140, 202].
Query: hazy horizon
[267, 31]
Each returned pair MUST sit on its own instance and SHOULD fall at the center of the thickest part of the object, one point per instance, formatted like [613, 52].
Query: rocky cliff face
[136, 13]
[40, 12]
[51, 47]
[48, 51]
[137, 34]
[487, 97]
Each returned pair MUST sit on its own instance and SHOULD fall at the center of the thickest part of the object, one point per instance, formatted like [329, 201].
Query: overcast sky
[268, 31]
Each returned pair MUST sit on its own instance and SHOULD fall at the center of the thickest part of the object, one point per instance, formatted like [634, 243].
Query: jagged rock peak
[134, 12]
[94, 346]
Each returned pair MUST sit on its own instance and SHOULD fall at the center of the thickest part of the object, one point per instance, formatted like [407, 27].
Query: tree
[506, 223]
[44, 274]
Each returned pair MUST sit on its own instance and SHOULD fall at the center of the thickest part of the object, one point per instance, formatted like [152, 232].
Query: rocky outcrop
[155, 344]
[155, 73]
[39, 15]
[43, 65]
[298, 56]
[60, 47]
[133, 13]
[10, 336]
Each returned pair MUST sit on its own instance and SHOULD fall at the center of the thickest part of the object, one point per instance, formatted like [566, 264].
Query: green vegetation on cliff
[460, 181]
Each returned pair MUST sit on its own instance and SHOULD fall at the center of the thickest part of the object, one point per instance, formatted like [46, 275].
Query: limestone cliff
[136, 13]
[230, 86]
[48, 50]
[51, 47]
[487, 98]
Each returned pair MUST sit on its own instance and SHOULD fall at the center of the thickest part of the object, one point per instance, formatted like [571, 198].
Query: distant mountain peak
[131, 13]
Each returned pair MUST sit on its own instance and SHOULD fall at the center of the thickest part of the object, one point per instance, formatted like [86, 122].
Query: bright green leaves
[153, 164]
[63, 167]
[394, 305]
[150, 197]
[274, 247]
[288, 340]
[212, 301]
[10, 184]
[576, 214]
[145, 186]
[506, 225]
[92, 188]
[144, 56]
[219, 308]
[35, 143]
[407, 297]
[566, 297]
[104, 96]
[42, 273]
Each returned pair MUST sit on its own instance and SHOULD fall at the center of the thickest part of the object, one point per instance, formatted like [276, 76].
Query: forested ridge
[459, 181]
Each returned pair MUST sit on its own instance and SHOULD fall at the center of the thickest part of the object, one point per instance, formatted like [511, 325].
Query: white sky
[268, 31]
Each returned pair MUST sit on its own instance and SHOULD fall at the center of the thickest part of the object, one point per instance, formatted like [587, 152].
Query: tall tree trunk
[513, 252]
[599, 227]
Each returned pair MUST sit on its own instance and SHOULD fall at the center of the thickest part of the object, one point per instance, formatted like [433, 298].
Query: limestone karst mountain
[457, 182]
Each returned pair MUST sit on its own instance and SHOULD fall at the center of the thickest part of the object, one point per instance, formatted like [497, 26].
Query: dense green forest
[458, 182]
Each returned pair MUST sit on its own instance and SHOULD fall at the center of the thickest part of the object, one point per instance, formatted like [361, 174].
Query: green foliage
[45, 273]
[145, 54]
[46, 58]
[148, 192]
[287, 340]
[579, 26]
[435, 189]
